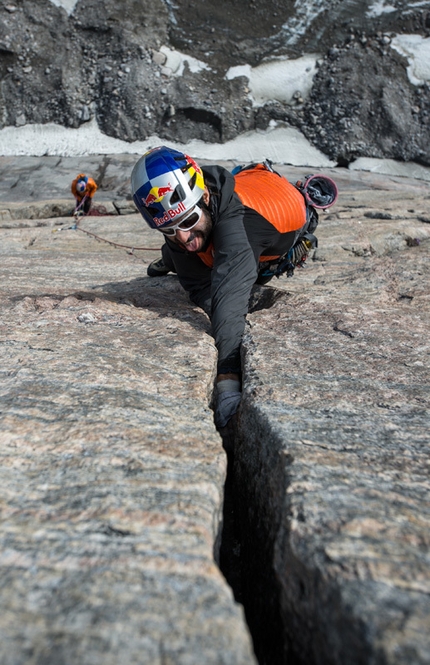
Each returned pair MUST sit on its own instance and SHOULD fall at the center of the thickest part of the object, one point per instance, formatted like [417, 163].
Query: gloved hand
[227, 402]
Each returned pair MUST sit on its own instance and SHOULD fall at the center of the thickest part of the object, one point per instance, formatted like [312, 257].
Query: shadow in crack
[230, 562]
[246, 556]
[264, 297]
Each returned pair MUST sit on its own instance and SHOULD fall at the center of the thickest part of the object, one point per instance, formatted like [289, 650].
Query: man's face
[197, 238]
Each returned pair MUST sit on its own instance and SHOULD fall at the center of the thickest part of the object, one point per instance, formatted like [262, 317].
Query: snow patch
[68, 5]
[415, 5]
[279, 80]
[239, 70]
[283, 145]
[417, 50]
[304, 14]
[378, 8]
[391, 167]
[175, 61]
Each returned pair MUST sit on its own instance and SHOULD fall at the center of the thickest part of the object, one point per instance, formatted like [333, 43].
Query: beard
[200, 237]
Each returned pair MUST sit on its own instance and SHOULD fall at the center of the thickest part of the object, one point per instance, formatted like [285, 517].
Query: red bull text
[170, 214]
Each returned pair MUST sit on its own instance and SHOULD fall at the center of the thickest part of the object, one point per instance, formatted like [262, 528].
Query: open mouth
[193, 245]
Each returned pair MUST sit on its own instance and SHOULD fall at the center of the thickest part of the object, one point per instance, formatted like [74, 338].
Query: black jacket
[240, 236]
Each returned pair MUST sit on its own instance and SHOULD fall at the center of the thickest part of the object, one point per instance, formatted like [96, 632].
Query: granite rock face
[157, 68]
[332, 463]
[112, 471]
[363, 104]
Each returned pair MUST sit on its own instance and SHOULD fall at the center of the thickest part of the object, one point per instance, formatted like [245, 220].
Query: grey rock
[332, 460]
[40, 186]
[125, 207]
[383, 116]
[40, 210]
[112, 470]
[104, 60]
[85, 113]
[113, 473]
[159, 58]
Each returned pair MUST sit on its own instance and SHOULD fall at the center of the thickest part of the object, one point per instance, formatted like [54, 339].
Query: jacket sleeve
[91, 188]
[233, 275]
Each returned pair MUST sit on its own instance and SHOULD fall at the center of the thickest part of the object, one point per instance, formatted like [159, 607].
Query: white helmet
[166, 184]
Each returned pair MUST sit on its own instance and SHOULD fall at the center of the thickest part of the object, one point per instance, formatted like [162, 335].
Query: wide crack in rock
[330, 471]
[113, 472]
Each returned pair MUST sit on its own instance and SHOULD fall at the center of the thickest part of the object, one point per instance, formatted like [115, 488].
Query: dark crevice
[101, 174]
[244, 550]
[296, 615]
[245, 559]
[230, 550]
[204, 124]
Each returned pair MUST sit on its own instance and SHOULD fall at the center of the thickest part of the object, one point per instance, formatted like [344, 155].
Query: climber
[83, 189]
[223, 233]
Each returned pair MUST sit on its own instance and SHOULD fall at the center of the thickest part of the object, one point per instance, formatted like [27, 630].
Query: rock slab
[112, 471]
[333, 458]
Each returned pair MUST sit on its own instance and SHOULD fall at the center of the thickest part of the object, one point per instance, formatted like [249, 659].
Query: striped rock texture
[333, 458]
[112, 471]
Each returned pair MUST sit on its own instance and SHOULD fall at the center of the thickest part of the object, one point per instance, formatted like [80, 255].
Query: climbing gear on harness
[319, 190]
[166, 186]
[300, 252]
[295, 258]
[297, 255]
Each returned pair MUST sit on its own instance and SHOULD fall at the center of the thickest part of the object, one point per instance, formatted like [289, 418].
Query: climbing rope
[77, 227]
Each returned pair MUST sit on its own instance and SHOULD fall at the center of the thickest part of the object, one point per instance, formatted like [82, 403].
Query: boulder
[143, 69]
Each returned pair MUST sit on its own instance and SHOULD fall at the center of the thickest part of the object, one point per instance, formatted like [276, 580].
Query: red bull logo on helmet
[156, 194]
[194, 164]
[168, 215]
[193, 167]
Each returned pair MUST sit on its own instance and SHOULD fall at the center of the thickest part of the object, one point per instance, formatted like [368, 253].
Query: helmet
[166, 184]
[319, 190]
[81, 185]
